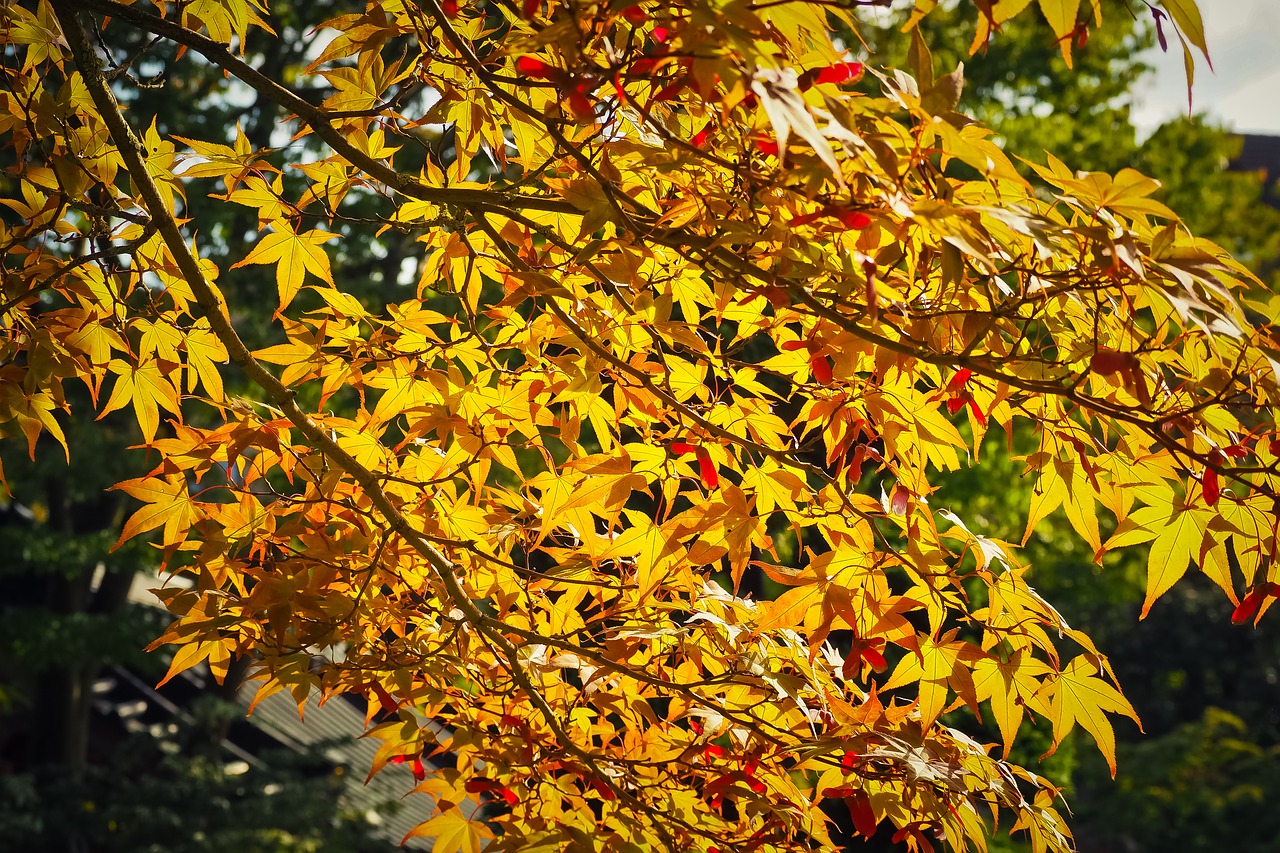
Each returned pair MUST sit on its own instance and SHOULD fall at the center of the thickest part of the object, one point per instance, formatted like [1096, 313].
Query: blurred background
[1240, 89]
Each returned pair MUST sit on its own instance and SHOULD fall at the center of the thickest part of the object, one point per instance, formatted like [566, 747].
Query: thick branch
[318, 119]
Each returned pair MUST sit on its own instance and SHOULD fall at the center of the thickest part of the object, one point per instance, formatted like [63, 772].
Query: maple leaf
[205, 351]
[34, 415]
[216, 653]
[452, 833]
[1064, 481]
[255, 192]
[941, 665]
[213, 159]
[39, 33]
[294, 255]
[1182, 535]
[148, 388]
[168, 504]
[1011, 686]
[775, 487]
[779, 94]
[1078, 695]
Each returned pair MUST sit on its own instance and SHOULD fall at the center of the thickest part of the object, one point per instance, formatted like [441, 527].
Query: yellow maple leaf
[1080, 696]
[294, 255]
[1179, 534]
[943, 663]
[1061, 15]
[256, 193]
[214, 160]
[167, 502]
[1010, 686]
[217, 652]
[148, 388]
[453, 833]
[204, 353]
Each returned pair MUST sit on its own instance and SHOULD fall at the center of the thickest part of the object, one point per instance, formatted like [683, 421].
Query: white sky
[1243, 89]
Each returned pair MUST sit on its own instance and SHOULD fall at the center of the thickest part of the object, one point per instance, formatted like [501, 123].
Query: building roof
[337, 726]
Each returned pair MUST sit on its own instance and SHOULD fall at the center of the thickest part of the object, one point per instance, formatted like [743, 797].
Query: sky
[1243, 89]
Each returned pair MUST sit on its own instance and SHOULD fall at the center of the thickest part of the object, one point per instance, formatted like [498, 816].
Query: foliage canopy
[700, 298]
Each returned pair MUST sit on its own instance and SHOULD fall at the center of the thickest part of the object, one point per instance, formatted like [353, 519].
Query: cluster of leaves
[688, 303]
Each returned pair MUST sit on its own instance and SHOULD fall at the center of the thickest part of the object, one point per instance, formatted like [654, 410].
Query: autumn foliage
[701, 298]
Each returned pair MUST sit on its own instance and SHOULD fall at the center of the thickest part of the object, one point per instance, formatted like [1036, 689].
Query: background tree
[1019, 84]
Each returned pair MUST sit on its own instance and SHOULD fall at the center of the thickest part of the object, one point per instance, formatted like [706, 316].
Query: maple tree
[699, 295]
